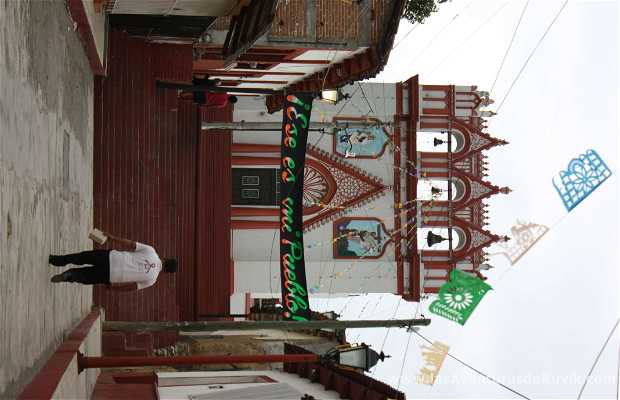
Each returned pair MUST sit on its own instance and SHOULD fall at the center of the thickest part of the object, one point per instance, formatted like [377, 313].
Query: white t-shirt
[141, 266]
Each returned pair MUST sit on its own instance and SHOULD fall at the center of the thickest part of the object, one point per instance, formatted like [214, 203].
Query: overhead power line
[597, 358]
[501, 65]
[428, 45]
[402, 367]
[404, 37]
[475, 370]
[457, 48]
[531, 54]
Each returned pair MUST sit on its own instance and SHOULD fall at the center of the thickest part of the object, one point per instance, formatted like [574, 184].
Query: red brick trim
[46, 381]
[231, 282]
[78, 14]
[411, 187]
[400, 267]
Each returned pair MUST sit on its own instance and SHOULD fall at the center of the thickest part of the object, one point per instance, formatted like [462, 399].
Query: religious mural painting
[356, 237]
[361, 142]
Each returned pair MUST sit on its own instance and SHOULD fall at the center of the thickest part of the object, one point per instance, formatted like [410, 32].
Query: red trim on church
[400, 273]
[412, 117]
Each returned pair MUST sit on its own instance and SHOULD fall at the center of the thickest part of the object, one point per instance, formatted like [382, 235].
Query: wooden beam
[266, 58]
[253, 74]
[240, 81]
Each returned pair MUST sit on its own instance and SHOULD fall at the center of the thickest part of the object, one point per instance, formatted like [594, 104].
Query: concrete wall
[302, 385]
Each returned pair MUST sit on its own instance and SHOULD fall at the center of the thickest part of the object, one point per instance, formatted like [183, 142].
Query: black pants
[198, 85]
[98, 272]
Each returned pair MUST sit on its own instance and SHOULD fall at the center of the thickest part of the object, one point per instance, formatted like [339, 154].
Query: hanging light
[432, 239]
[358, 357]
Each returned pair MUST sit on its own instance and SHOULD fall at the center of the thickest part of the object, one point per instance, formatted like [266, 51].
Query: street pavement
[46, 186]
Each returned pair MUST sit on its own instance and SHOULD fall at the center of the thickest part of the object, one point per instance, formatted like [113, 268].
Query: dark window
[255, 186]
[250, 180]
[250, 194]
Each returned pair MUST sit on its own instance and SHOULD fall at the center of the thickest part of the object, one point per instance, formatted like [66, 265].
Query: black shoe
[64, 277]
[56, 261]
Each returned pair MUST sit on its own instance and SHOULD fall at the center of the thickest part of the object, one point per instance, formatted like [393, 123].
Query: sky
[541, 327]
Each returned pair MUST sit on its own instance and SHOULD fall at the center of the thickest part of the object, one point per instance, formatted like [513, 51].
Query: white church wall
[337, 277]
[253, 248]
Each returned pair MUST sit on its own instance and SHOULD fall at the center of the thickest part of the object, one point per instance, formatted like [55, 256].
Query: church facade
[394, 196]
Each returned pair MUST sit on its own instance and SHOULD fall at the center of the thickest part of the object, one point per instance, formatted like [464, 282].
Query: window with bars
[250, 180]
[250, 193]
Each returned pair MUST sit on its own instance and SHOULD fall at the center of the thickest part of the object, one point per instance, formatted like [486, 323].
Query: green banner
[459, 297]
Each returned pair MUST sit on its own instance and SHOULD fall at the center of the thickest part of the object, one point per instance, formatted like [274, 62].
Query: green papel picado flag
[459, 297]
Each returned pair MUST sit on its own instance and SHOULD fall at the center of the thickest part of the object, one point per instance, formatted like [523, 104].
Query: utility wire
[597, 358]
[403, 38]
[618, 377]
[451, 52]
[475, 370]
[514, 34]
[366, 98]
[428, 45]
[531, 54]
[402, 366]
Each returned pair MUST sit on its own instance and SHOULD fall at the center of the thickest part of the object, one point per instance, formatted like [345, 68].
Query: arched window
[319, 186]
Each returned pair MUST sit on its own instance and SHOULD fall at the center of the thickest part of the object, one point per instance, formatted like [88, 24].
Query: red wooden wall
[146, 174]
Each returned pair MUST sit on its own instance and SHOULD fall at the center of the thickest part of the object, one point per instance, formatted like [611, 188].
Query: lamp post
[359, 356]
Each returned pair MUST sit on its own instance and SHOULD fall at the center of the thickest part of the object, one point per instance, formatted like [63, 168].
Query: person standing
[130, 266]
[210, 99]
[201, 92]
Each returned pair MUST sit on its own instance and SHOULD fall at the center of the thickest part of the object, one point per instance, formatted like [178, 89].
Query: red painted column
[437, 224]
[435, 174]
[121, 362]
[435, 213]
[437, 266]
[434, 253]
[255, 148]
[272, 161]
[433, 164]
[440, 123]
[254, 212]
[434, 154]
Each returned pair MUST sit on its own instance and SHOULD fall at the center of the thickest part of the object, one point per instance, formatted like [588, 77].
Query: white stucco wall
[182, 392]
